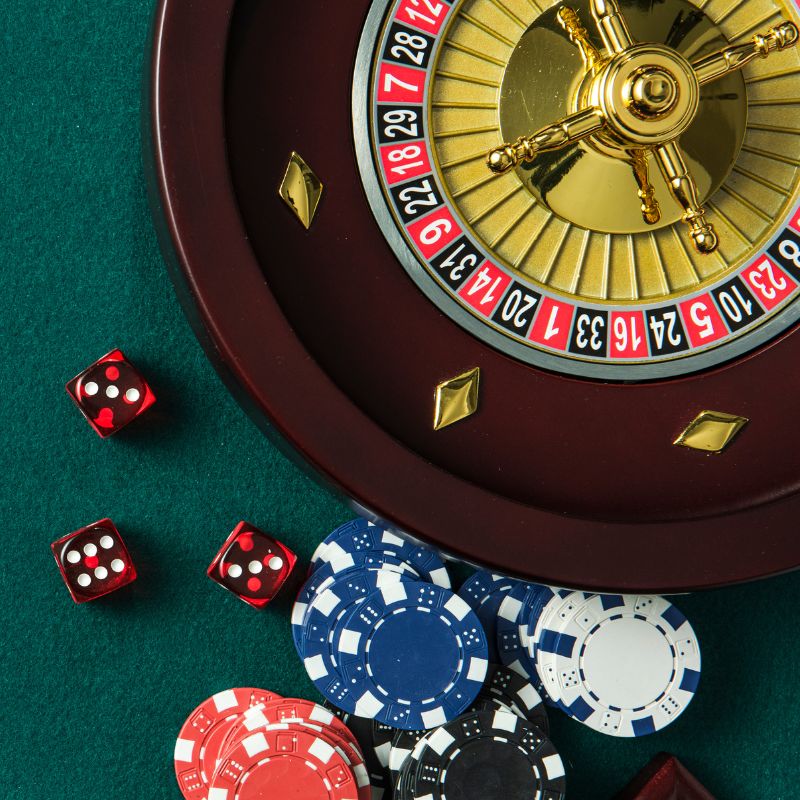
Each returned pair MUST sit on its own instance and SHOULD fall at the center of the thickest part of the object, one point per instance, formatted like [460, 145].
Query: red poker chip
[285, 761]
[284, 709]
[316, 718]
[203, 736]
[353, 758]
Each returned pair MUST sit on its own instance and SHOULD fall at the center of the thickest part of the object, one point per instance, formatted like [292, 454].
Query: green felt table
[93, 696]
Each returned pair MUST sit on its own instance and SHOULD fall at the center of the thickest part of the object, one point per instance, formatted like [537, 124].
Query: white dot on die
[91, 388]
[112, 392]
[101, 573]
[276, 562]
[255, 567]
[84, 579]
[132, 395]
[118, 565]
[234, 570]
[90, 549]
[73, 556]
[107, 542]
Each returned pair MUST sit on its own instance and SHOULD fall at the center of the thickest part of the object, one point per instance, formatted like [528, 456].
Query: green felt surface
[93, 696]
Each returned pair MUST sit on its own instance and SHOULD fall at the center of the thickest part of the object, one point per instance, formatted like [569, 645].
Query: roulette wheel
[519, 278]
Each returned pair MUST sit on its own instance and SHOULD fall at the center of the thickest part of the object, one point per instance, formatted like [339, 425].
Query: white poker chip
[557, 611]
[624, 665]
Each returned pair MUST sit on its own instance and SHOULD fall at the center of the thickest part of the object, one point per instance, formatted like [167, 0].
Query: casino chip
[546, 599]
[353, 526]
[624, 665]
[403, 743]
[360, 536]
[324, 617]
[362, 729]
[512, 629]
[556, 612]
[484, 756]
[352, 756]
[517, 693]
[284, 760]
[288, 709]
[203, 734]
[484, 592]
[382, 736]
[322, 578]
[413, 655]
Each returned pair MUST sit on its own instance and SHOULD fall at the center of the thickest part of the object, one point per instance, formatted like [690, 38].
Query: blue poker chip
[413, 656]
[361, 536]
[326, 611]
[484, 592]
[546, 601]
[362, 561]
[352, 526]
[512, 630]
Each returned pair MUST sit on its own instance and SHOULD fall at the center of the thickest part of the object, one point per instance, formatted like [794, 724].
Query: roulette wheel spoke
[612, 26]
[730, 59]
[566, 131]
[684, 190]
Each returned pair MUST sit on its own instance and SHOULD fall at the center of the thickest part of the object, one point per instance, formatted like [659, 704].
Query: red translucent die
[94, 561]
[111, 393]
[252, 565]
[664, 778]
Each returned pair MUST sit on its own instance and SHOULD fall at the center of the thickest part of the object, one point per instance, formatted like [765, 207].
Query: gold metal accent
[651, 211]
[553, 137]
[603, 256]
[456, 399]
[579, 36]
[641, 95]
[651, 93]
[711, 431]
[729, 59]
[612, 26]
[684, 190]
[301, 190]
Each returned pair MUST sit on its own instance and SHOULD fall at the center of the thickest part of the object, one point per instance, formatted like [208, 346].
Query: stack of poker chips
[498, 750]
[491, 754]
[511, 756]
[382, 636]
[252, 743]
[624, 665]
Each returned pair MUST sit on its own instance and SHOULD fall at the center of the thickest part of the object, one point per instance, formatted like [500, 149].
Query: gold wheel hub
[649, 95]
[643, 97]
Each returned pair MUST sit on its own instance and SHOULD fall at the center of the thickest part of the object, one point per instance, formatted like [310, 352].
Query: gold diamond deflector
[711, 431]
[301, 189]
[456, 399]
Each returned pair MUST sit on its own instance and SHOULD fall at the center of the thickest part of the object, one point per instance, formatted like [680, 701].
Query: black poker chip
[518, 693]
[382, 736]
[489, 702]
[361, 728]
[403, 743]
[484, 756]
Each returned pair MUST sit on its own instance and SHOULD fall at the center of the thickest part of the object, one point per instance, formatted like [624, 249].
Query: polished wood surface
[326, 340]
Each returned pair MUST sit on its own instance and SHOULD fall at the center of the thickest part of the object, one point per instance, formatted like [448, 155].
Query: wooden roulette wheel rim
[259, 339]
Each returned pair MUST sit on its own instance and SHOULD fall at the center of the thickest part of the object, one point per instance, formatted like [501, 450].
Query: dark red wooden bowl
[325, 340]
